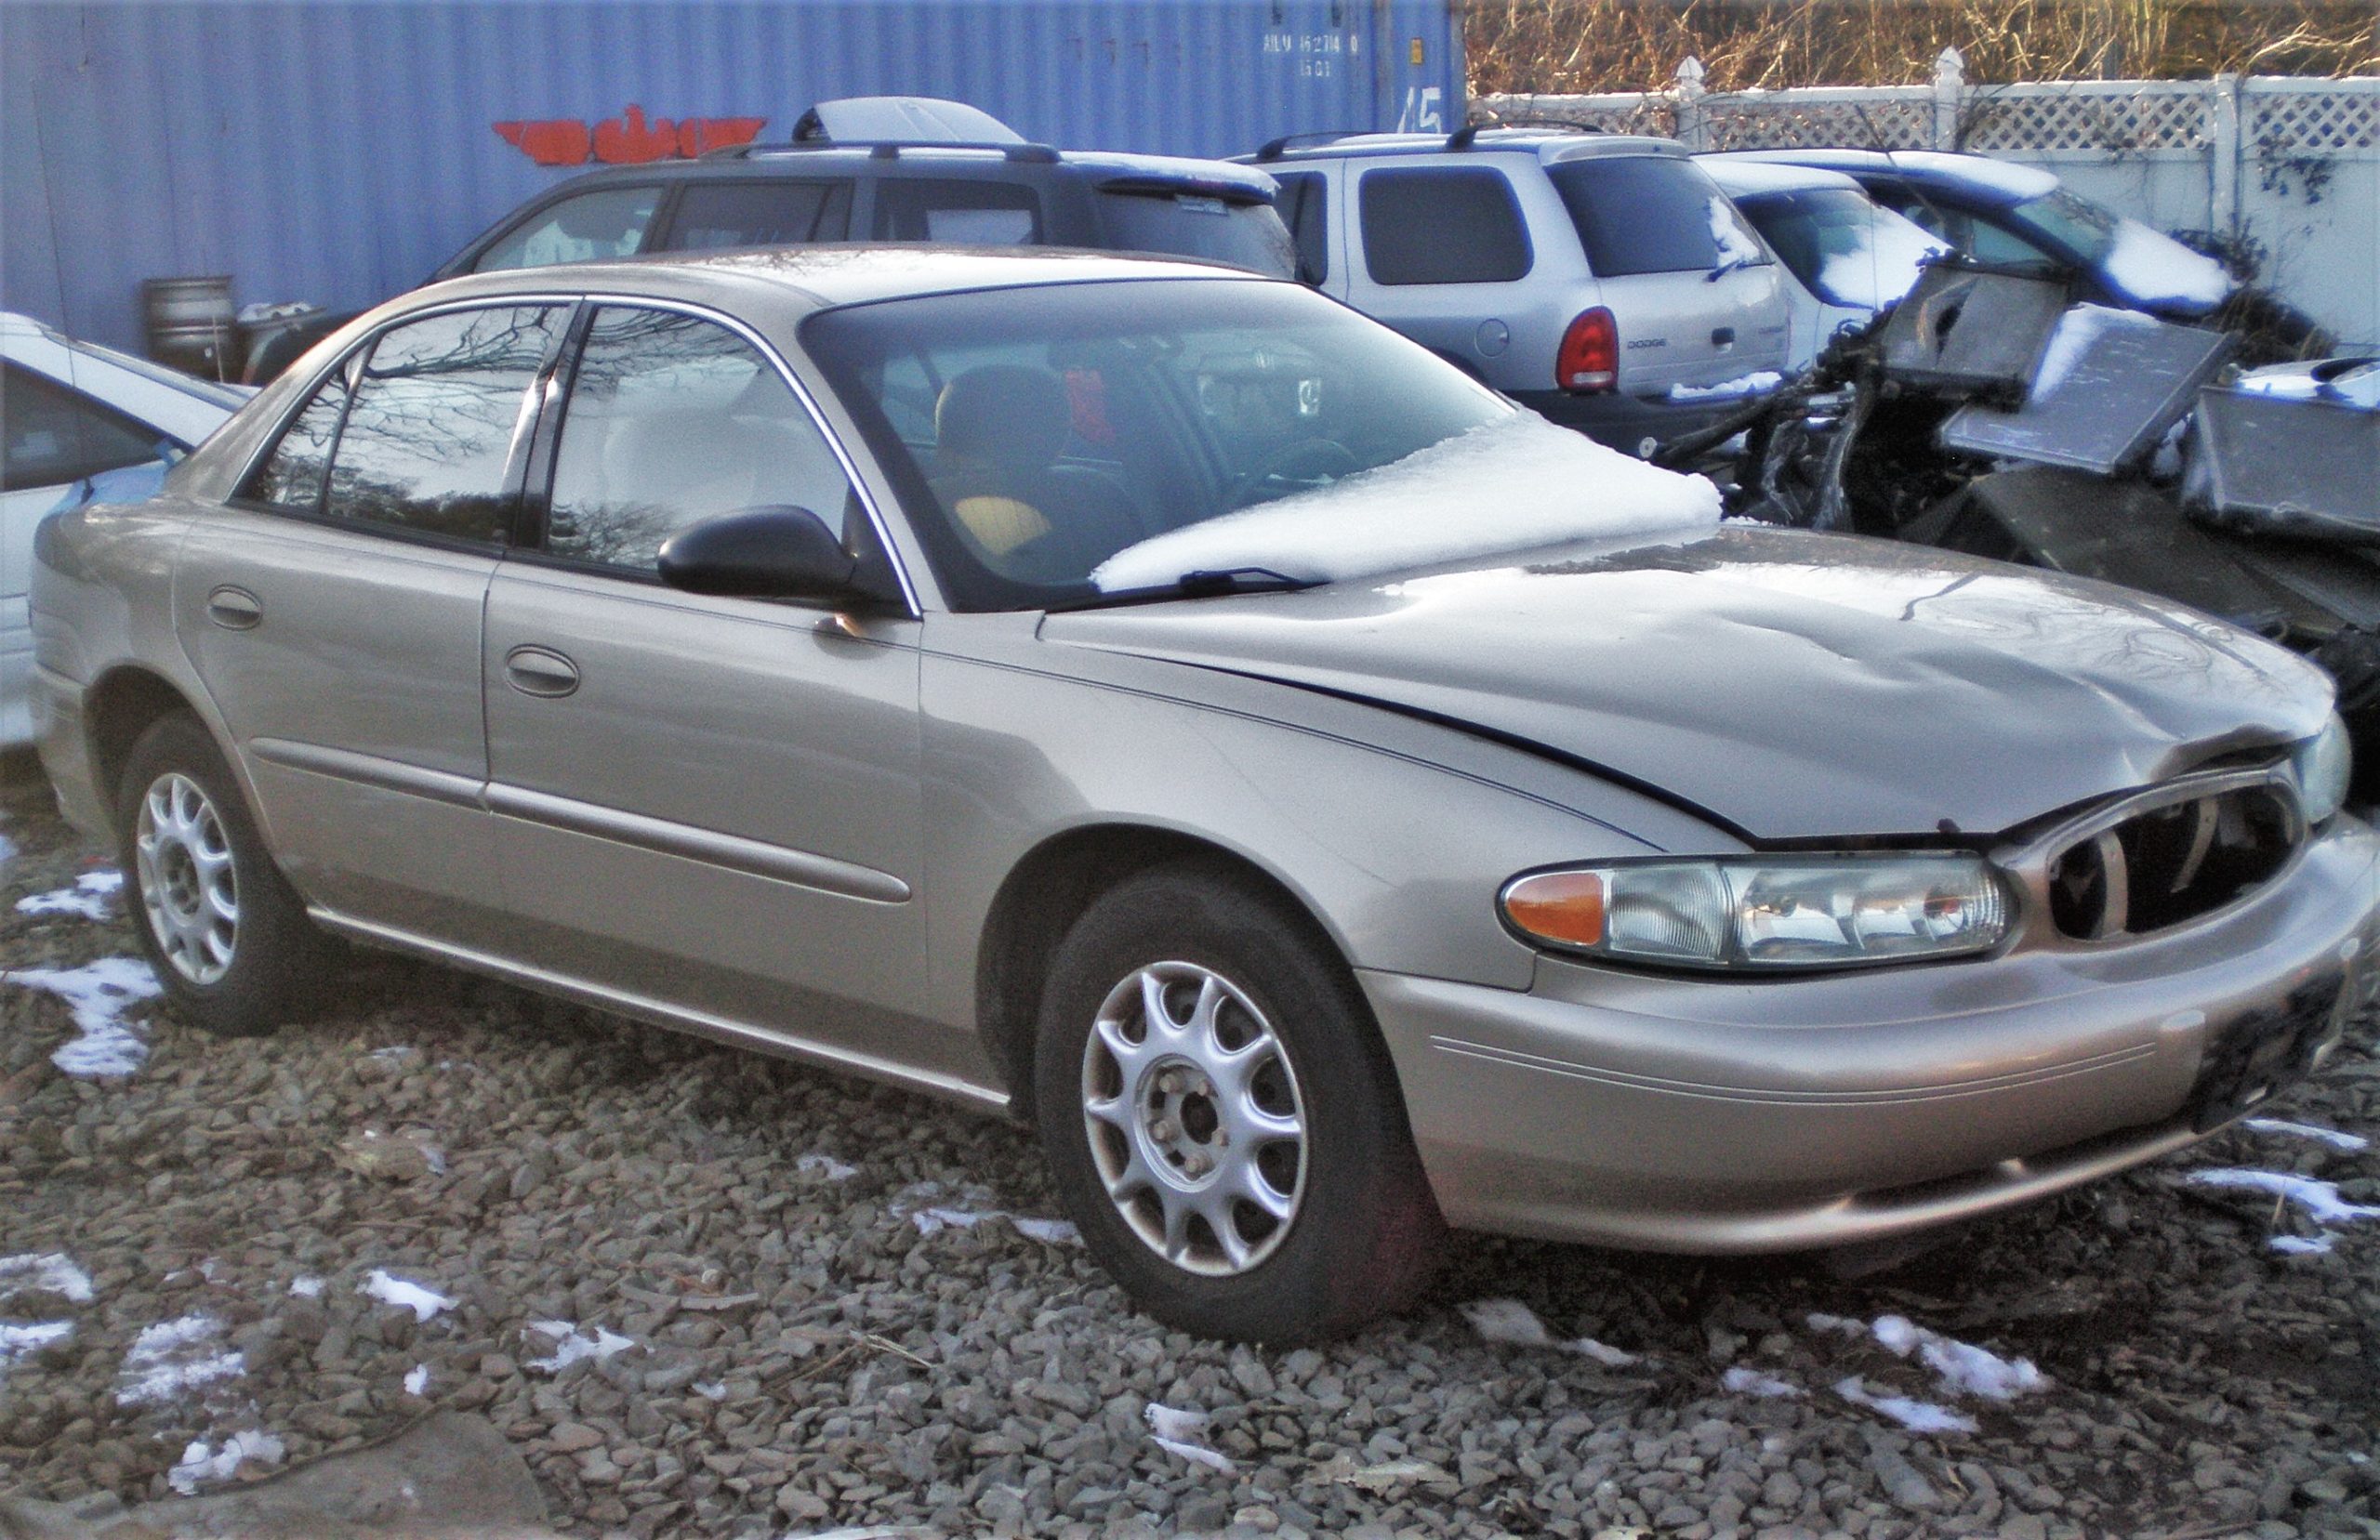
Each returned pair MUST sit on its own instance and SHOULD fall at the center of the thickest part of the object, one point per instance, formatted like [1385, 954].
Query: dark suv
[878, 168]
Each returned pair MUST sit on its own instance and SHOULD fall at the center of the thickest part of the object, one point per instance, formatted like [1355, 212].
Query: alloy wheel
[189, 885]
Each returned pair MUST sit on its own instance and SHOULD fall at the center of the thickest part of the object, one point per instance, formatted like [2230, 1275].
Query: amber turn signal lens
[1558, 906]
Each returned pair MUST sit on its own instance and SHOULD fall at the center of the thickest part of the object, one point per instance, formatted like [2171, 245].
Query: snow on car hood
[1514, 483]
[1792, 686]
[2156, 271]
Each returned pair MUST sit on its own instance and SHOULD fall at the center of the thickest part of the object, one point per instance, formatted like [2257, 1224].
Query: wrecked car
[1333, 804]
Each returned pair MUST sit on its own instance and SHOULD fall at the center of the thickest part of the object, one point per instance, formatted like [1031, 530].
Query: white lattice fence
[2112, 115]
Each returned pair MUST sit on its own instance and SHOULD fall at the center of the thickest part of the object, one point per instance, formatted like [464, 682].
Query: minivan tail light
[1589, 357]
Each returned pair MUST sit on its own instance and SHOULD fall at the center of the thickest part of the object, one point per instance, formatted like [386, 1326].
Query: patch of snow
[825, 1167]
[98, 994]
[2306, 1246]
[1744, 1381]
[2151, 269]
[1196, 1453]
[306, 1288]
[1882, 268]
[1749, 178]
[417, 1379]
[1737, 246]
[1055, 1232]
[917, 1204]
[1510, 485]
[17, 1340]
[44, 1273]
[394, 1053]
[572, 1345]
[2319, 1200]
[2019, 183]
[2290, 384]
[1960, 1368]
[1918, 1416]
[8, 848]
[389, 1289]
[204, 1462]
[1509, 1321]
[173, 1357]
[1174, 1422]
[2335, 1138]
[2077, 330]
[90, 897]
[711, 1389]
[1759, 382]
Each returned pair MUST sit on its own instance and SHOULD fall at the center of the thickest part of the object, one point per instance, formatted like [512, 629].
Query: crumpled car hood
[1792, 686]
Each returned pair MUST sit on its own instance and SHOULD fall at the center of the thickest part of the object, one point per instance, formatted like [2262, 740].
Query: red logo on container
[625, 140]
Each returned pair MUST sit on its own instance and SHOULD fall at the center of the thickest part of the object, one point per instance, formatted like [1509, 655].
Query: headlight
[2323, 765]
[1752, 913]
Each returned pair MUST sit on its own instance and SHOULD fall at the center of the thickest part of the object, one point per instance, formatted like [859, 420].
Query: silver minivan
[1604, 280]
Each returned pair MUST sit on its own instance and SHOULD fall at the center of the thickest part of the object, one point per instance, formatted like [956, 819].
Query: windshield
[2067, 223]
[1035, 432]
[1059, 444]
[1843, 248]
[1188, 224]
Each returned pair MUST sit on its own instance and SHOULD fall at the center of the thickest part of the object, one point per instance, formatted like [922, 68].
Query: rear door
[1441, 251]
[332, 608]
[1696, 298]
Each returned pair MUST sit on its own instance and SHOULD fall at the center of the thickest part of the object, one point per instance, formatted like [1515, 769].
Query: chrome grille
[2154, 866]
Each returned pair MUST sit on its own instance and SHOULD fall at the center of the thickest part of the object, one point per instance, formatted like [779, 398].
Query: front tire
[1220, 1118]
[222, 927]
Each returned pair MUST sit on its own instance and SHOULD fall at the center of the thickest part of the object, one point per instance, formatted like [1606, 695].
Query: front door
[709, 804]
[333, 611]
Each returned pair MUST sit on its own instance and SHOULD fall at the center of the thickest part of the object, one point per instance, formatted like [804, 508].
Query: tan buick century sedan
[1333, 804]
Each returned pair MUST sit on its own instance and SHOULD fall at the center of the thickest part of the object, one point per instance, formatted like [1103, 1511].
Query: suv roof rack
[1273, 150]
[1461, 138]
[888, 149]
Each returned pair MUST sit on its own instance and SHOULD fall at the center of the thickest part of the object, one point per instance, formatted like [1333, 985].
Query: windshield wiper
[1205, 582]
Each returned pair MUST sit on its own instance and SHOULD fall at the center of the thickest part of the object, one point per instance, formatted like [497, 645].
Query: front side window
[610, 222]
[427, 441]
[55, 435]
[715, 215]
[956, 213]
[673, 419]
[1442, 225]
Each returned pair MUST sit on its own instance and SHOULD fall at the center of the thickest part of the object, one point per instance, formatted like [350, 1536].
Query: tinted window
[430, 430]
[1304, 206]
[1183, 224]
[55, 435]
[292, 477]
[585, 229]
[1442, 226]
[1644, 213]
[673, 419]
[968, 214]
[712, 214]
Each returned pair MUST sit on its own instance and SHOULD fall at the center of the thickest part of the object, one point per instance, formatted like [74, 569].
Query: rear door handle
[234, 609]
[540, 671]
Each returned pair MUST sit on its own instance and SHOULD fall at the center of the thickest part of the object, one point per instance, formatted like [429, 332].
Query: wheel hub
[1182, 1125]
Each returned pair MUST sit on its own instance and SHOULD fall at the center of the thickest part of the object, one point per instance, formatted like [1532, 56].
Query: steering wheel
[1314, 456]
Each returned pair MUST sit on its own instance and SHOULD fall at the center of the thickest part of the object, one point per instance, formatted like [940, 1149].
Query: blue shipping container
[338, 151]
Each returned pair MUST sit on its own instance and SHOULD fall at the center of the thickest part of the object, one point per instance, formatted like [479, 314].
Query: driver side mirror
[776, 551]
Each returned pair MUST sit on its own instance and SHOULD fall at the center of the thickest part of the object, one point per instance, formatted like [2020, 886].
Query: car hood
[1789, 686]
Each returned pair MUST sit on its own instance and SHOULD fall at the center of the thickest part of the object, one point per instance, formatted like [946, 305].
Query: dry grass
[1635, 45]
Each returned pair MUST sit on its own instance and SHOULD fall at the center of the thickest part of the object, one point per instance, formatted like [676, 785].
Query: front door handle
[540, 671]
[234, 609]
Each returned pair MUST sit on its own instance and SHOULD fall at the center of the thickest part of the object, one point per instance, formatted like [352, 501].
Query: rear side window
[55, 435]
[429, 431]
[1304, 206]
[1648, 214]
[610, 222]
[957, 213]
[672, 420]
[1186, 224]
[712, 214]
[1442, 225]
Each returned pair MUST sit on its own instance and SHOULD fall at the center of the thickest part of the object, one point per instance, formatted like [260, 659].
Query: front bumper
[1725, 1115]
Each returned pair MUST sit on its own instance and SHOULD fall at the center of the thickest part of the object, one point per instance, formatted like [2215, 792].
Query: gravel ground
[706, 1293]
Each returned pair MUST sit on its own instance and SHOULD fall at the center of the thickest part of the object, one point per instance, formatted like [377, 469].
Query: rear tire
[227, 935]
[1244, 1168]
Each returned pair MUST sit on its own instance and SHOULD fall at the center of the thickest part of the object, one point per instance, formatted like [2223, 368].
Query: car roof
[747, 162]
[1747, 178]
[818, 278]
[1993, 183]
[1548, 145]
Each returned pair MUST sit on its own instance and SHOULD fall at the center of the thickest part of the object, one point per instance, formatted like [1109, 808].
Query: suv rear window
[1642, 213]
[1442, 225]
[1186, 224]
